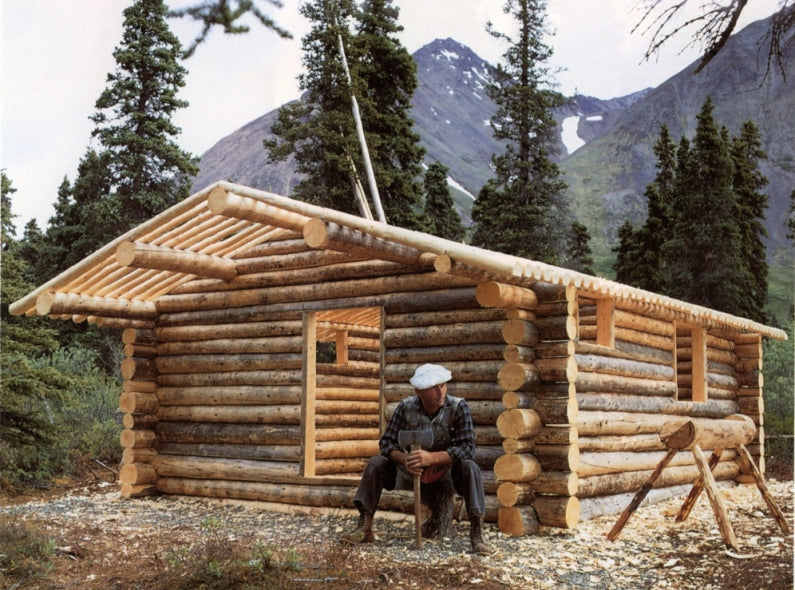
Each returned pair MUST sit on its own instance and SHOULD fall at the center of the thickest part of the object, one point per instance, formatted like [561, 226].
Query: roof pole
[368, 166]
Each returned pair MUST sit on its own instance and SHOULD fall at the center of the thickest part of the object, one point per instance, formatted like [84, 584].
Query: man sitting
[452, 455]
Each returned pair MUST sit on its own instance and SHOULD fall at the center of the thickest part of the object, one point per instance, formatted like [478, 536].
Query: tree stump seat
[439, 498]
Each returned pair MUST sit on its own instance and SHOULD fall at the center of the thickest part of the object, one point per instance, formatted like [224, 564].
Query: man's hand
[416, 461]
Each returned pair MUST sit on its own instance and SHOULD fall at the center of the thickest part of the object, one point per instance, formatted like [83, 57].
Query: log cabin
[268, 340]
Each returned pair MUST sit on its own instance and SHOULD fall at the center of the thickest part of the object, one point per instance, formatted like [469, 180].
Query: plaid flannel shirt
[463, 432]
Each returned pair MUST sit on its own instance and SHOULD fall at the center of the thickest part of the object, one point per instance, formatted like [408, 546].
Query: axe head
[409, 438]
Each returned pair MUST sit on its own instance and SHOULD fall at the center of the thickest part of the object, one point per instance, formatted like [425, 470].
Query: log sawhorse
[732, 432]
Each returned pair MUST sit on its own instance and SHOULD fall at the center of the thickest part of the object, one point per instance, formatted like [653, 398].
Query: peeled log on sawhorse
[728, 433]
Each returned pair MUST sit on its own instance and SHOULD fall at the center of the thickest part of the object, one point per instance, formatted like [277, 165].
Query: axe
[414, 440]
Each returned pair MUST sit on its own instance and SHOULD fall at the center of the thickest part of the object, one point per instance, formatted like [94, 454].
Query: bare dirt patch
[97, 541]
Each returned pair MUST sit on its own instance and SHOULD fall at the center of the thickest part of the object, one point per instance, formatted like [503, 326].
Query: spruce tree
[579, 255]
[442, 218]
[319, 131]
[747, 153]
[523, 211]
[627, 253]
[389, 79]
[24, 387]
[703, 259]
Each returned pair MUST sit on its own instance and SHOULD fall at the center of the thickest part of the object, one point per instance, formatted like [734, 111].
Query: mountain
[606, 145]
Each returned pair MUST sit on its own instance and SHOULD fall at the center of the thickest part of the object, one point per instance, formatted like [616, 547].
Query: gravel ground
[106, 542]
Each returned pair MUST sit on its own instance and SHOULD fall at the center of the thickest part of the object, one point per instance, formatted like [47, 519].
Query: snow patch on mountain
[569, 136]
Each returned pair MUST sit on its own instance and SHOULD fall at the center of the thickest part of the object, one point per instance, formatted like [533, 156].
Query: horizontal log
[150, 256]
[146, 351]
[631, 481]
[136, 402]
[303, 258]
[229, 395]
[494, 294]
[518, 467]
[347, 394]
[557, 511]
[619, 462]
[139, 455]
[588, 333]
[486, 370]
[565, 458]
[346, 434]
[518, 399]
[262, 378]
[636, 442]
[233, 469]
[469, 390]
[143, 490]
[626, 350]
[441, 317]
[519, 423]
[511, 446]
[623, 367]
[213, 363]
[233, 433]
[138, 369]
[58, 303]
[515, 376]
[297, 494]
[597, 382]
[290, 453]
[590, 423]
[329, 235]
[346, 448]
[512, 493]
[237, 206]
[137, 473]
[556, 483]
[708, 434]
[137, 439]
[513, 353]
[444, 334]
[519, 332]
[139, 421]
[556, 411]
[557, 369]
[647, 404]
[444, 353]
[138, 336]
[352, 465]
[591, 508]
[229, 331]
[284, 344]
[557, 328]
[517, 521]
[282, 414]
[557, 435]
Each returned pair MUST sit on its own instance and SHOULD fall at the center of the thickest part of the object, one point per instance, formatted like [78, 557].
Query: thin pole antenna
[368, 166]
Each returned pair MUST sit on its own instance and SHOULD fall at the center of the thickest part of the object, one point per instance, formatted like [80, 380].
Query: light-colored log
[444, 334]
[494, 294]
[557, 369]
[557, 457]
[137, 473]
[139, 455]
[556, 483]
[214, 468]
[329, 235]
[208, 332]
[56, 303]
[519, 423]
[513, 353]
[290, 453]
[629, 482]
[517, 521]
[444, 353]
[524, 467]
[289, 344]
[138, 402]
[597, 382]
[347, 394]
[631, 336]
[137, 438]
[230, 379]
[139, 421]
[437, 318]
[469, 390]
[519, 332]
[351, 465]
[243, 414]
[150, 256]
[346, 434]
[281, 262]
[708, 434]
[556, 410]
[231, 433]
[346, 448]
[623, 367]
[486, 370]
[518, 445]
[557, 435]
[133, 369]
[638, 442]
[230, 204]
[591, 423]
[146, 351]
[518, 399]
[514, 376]
[557, 328]
[143, 490]
[512, 493]
[138, 336]
[557, 511]
[212, 363]
[619, 461]
[229, 395]
[651, 404]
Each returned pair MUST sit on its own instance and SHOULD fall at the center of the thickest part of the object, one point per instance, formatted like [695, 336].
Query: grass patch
[26, 552]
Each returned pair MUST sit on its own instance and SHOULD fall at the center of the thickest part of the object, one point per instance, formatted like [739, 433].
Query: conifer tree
[747, 152]
[389, 75]
[523, 211]
[24, 388]
[579, 255]
[703, 261]
[442, 218]
[137, 169]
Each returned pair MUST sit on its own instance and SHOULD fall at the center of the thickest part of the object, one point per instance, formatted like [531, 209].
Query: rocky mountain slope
[606, 144]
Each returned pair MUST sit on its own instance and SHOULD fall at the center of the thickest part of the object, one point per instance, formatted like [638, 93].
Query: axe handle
[417, 505]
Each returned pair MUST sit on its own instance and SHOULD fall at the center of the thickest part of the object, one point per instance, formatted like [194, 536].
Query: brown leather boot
[479, 546]
[363, 533]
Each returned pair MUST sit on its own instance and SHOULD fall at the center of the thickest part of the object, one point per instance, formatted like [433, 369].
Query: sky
[55, 56]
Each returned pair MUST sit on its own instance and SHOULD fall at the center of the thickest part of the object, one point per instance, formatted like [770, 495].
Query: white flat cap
[428, 375]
